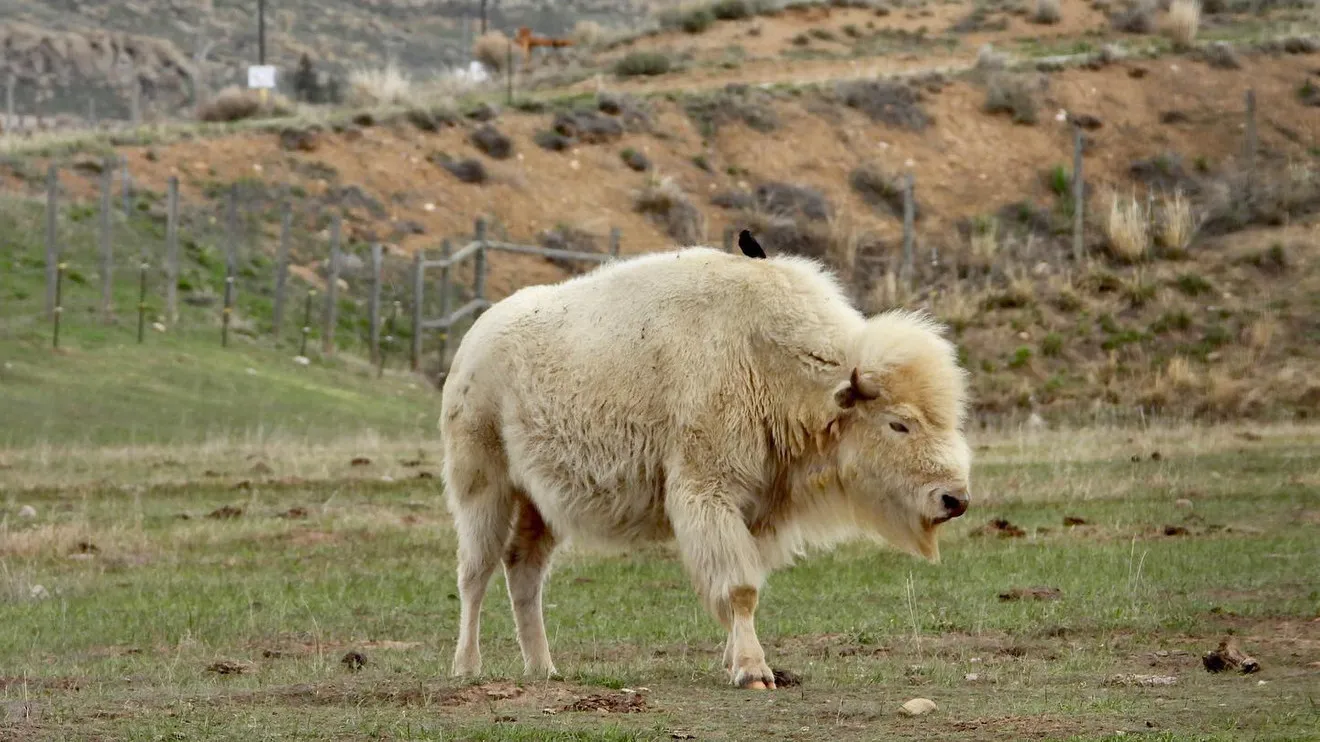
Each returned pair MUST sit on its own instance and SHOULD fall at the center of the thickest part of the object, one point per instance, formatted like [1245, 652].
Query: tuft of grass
[636, 64]
[1177, 223]
[1137, 18]
[1184, 20]
[386, 86]
[1126, 228]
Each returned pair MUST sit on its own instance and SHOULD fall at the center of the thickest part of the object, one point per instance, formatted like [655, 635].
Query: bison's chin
[908, 532]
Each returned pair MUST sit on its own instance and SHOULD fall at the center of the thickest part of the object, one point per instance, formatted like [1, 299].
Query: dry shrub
[587, 34]
[492, 50]
[383, 86]
[1138, 17]
[1011, 94]
[236, 104]
[664, 202]
[886, 101]
[1177, 223]
[1047, 12]
[1184, 19]
[1126, 229]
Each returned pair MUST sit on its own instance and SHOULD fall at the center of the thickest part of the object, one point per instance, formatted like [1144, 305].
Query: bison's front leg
[722, 560]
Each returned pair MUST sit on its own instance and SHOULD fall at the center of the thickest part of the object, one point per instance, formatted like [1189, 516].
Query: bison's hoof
[755, 677]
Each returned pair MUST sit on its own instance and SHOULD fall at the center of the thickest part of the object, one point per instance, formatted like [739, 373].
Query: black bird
[749, 246]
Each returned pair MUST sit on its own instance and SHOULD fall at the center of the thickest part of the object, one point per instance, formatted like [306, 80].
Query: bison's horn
[863, 389]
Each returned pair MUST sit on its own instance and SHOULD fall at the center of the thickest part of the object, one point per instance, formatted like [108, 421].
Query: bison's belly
[607, 489]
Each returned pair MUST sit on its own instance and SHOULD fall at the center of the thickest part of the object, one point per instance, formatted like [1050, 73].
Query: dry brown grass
[664, 200]
[492, 50]
[1259, 336]
[1178, 222]
[384, 86]
[1184, 20]
[236, 104]
[1126, 229]
[984, 241]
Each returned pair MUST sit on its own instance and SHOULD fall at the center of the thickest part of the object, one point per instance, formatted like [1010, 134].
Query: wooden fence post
[479, 266]
[282, 266]
[58, 310]
[91, 112]
[509, 76]
[142, 301]
[1250, 143]
[107, 251]
[135, 100]
[128, 190]
[728, 239]
[445, 251]
[11, 118]
[909, 216]
[1079, 199]
[307, 323]
[172, 251]
[418, 294]
[231, 260]
[52, 237]
[389, 337]
[616, 236]
[332, 288]
[373, 308]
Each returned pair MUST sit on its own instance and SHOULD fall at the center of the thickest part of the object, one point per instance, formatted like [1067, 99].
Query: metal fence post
[282, 267]
[172, 251]
[418, 293]
[1250, 143]
[142, 301]
[615, 237]
[373, 307]
[107, 250]
[52, 237]
[332, 287]
[479, 266]
[446, 250]
[231, 262]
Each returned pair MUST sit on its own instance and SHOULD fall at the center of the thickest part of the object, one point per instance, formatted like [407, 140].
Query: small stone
[919, 706]
[27, 511]
[1182, 502]
[971, 677]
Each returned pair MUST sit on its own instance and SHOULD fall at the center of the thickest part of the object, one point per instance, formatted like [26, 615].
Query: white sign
[261, 77]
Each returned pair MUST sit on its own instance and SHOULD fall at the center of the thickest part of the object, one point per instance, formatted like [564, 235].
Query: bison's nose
[954, 502]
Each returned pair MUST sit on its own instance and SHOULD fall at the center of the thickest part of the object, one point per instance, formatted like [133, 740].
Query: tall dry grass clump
[384, 86]
[492, 50]
[1126, 228]
[1184, 20]
[1178, 222]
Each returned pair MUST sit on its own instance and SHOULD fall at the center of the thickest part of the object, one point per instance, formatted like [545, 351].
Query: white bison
[741, 408]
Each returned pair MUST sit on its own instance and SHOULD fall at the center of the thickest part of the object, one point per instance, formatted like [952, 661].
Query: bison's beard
[906, 530]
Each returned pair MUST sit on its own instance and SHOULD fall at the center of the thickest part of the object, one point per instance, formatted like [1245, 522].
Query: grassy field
[213, 591]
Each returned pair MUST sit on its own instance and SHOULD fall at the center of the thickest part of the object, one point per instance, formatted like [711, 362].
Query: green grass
[121, 646]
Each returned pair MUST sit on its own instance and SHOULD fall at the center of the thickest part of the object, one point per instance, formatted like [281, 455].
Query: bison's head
[901, 454]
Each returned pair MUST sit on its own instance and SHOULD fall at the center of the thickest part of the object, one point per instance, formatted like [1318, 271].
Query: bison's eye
[898, 427]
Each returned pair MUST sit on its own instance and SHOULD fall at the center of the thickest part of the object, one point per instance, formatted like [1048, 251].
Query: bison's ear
[855, 389]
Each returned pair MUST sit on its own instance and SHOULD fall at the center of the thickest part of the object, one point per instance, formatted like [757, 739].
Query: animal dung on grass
[354, 661]
[1031, 593]
[1228, 656]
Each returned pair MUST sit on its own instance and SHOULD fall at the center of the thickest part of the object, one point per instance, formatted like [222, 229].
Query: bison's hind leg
[526, 564]
[481, 500]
